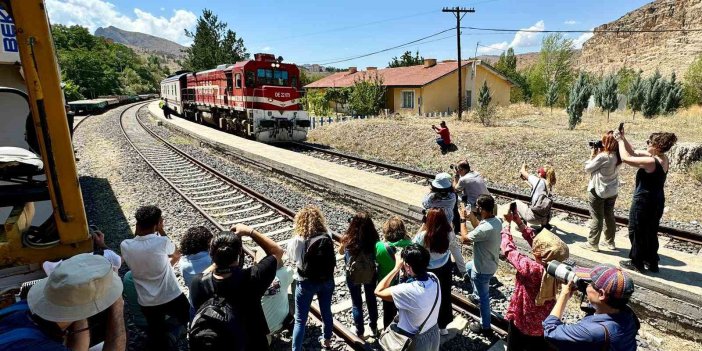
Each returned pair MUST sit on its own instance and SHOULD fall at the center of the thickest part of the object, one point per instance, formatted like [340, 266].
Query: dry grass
[523, 134]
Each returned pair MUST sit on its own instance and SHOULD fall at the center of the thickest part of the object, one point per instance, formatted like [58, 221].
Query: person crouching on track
[535, 291]
[55, 314]
[538, 210]
[151, 255]
[486, 251]
[443, 196]
[312, 251]
[444, 139]
[435, 236]
[358, 248]
[417, 298]
[242, 288]
[603, 168]
[613, 326]
[396, 238]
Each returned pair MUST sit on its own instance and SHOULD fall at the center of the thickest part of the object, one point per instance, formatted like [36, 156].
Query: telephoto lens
[565, 274]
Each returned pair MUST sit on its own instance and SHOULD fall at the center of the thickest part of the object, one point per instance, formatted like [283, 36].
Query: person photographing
[613, 326]
[444, 139]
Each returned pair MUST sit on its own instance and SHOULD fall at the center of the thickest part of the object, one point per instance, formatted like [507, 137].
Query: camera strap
[605, 347]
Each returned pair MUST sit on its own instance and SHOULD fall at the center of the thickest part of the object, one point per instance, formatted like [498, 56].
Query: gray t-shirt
[472, 185]
[486, 240]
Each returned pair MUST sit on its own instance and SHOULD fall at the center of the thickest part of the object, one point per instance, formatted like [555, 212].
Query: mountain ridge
[142, 41]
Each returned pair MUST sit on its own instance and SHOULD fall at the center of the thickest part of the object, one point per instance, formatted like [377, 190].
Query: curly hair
[548, 173]
[361, 235]
[147, 216]
[394, 229]
[438, 230]
[663, 141]
[309, 221]
[196, 239]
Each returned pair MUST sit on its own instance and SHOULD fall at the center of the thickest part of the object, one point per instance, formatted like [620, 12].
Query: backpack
[16, 337]
[318, 260]
[360, 269]
[216, 325]
[542, 206]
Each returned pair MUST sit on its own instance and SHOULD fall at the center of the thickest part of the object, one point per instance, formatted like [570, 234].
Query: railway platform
[679, 278]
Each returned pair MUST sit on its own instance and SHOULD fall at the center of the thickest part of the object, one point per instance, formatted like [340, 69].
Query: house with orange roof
[427, 88]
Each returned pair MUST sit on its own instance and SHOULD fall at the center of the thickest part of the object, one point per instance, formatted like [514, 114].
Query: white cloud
[266, 49]
[98, 13]
[521, 40]
[570, 22]
[163, 9]
[579, 41]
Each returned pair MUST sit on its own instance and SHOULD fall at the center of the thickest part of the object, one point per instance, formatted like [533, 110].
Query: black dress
[645, 215]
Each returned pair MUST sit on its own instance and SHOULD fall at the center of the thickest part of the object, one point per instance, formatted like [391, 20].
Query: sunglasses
[648, 142]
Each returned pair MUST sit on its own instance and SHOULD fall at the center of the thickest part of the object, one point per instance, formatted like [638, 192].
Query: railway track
[419, 177]
[224, 202]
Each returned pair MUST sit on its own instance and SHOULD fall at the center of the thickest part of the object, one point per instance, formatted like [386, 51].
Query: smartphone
[621, 127]
[513, 207]
[92, 228]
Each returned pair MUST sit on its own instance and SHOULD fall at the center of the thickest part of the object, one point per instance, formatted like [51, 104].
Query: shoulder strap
[436, 298]
[605, 347]
[390, 250]
[18, 334]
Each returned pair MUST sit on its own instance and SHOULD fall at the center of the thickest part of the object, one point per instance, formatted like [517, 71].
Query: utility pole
[459, 12]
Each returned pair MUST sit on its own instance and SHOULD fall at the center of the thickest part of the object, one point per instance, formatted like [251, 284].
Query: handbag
[392, 340]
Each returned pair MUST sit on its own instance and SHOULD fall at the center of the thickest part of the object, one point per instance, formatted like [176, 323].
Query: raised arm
[632, 158]
[382, 291]
[269, 246]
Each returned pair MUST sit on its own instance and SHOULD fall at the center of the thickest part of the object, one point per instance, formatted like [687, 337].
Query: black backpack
[216, 325]
[318, 260]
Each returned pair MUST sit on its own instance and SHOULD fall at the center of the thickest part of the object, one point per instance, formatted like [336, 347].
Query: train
[257, 99]
[103, 103]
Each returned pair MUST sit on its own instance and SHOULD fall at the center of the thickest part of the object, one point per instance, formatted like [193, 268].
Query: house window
[237, 80]
[469, 98]
[408, 99]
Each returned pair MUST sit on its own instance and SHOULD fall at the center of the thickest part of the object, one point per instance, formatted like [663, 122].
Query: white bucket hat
[78, 288]
[442, 181]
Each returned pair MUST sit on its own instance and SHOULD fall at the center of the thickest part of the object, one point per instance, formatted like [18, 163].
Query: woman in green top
[395, 237]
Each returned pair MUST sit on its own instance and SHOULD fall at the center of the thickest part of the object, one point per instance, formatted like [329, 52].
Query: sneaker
[374, 331]
[630, 265]
[478, 329]
[609, 246]
[587, 246]
[547, 226]
[474, 299]
[443, 332]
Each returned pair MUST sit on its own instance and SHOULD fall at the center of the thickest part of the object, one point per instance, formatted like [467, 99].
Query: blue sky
[320, 31]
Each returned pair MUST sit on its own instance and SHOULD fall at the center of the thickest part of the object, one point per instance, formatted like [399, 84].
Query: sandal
[325, 343]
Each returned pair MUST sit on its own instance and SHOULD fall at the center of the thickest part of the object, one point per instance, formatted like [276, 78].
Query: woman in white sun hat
[55, 314]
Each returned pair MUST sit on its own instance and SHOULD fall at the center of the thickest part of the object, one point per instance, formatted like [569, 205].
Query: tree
[406, 60]
[653, 94]
[368, 95]
[485, 112]
[213, 44]
[672, 96]
[625, 76]
[577, 100]
[636, 94]
[606, 96]
[693, 81]
[554, 65]
[551, 95]
[338, 96]
[316, 103]
[507, 63]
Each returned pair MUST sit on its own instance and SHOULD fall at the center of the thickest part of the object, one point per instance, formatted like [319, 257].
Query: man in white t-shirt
[151, 256]
[417, 297]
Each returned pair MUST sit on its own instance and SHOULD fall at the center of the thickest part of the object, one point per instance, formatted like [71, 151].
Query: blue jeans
[481, 285]
[303, 299]
[441, 143]
[357, 303]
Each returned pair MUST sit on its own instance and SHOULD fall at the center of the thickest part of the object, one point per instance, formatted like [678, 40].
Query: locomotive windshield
[272, 77]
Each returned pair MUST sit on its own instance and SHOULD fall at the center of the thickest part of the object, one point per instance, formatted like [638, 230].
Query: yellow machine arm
[46, 101]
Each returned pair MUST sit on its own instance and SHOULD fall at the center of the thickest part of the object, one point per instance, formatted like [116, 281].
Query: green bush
[696, 171]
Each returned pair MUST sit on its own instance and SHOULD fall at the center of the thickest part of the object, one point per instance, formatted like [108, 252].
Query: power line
[586, 31]
[384, 50]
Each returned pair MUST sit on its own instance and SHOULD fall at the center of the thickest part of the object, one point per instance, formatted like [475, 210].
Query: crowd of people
[237, 303]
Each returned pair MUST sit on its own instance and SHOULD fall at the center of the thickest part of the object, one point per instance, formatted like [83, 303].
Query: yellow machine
[65, 233]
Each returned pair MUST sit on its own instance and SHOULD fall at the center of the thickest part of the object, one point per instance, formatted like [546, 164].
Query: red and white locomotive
[259, 99]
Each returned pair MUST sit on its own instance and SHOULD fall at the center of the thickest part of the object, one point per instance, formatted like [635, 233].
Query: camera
[596, 144]
[565, 274]
[452, 166]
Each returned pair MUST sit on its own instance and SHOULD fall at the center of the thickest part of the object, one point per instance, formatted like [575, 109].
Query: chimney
[352, 70]
[371, 68]
[429, 62]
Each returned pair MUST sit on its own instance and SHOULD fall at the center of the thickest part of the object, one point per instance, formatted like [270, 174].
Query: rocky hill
[145, 44]
[668, 52]
[524, 60]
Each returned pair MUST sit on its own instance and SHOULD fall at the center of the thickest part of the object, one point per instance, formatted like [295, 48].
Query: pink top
[522, 310]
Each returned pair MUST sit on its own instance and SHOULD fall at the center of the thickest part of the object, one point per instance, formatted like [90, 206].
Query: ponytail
[550, 176]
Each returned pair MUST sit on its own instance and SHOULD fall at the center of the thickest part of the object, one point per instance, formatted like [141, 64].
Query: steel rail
[339, 329]
[680, 234]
